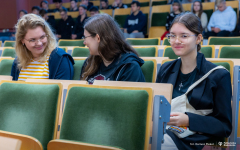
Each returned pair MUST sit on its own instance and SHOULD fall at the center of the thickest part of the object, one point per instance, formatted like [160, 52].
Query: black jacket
[79, 27]
[65, 28]
[215, 93]
[51, 21]
[126, 67]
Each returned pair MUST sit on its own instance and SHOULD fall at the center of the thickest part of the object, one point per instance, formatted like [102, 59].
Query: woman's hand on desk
[178, 119]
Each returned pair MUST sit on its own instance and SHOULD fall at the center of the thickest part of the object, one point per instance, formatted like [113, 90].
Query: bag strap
[204, 77]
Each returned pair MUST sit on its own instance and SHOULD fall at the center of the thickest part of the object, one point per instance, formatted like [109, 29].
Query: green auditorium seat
[149, 69]
[224, 40]
[229, 52]
[168, 52]
[30, 109]
[159, 2]
[63, 42]
[147, 51]
[208, 8]
[158, 13]
[6, 66]
[144, 3]
[64, 48]
[80, 52]
[9, 44]
[120, 15]
[166, 42]
[144, 41]
[77, 69]
[112, 116]
[8, 52]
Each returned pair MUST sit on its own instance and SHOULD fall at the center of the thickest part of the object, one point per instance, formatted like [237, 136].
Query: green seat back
[120, 19]
[207, 51]
[143, 41]
[144, 4]
[113, 117]
[146, 52]
[80, 52]
[224, 41]
[159, 3]
[170, 53]
[71, 43]
[6, 66]
[166, 42]
[208, 13]
[224, 64]
[65, 49]
[159, 19]
[9, 44]
[148, 70]
[77, 69]
[230, 52]
[29, 109]
[9, 52]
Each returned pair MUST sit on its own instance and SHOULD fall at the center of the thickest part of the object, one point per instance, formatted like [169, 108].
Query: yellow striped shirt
[35, 70]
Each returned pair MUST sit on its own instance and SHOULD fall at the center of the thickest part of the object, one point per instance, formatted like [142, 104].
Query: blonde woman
[37, 53]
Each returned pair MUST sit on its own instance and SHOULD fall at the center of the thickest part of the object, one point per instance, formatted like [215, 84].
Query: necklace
[183, 78]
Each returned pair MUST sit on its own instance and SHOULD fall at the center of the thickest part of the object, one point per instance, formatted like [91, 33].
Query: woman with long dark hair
[197, 9]
[111, 57]
[201, 100]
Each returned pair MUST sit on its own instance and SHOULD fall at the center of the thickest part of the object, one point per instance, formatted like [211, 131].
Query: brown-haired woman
[197, 9]
[111, 57]
[202, 109]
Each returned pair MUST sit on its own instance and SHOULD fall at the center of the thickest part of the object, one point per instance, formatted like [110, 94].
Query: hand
[213, 29]
[217, 30]
[179, 119]
[125, 30]
[74, 36]
[135, 31]
[58, 36]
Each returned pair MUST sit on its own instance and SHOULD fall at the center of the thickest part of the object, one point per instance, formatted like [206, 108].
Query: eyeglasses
[35, 41]
[84, 37]
[182, 39]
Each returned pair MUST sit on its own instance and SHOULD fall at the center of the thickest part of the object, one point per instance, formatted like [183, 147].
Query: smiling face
[183, 46]
[36, 41]
[91, 42]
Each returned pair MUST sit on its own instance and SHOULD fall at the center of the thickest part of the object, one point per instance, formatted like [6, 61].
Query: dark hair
[36, 7]
[43, 12]
[24, 11]
[112, 42]
[63, 10]
[55, 1]
[83, 6]
[106, 1]
[201, 8]
[94, 8]
[136, 2]
[73, 0]
[179, 4]
[191, 22]
[46, 2]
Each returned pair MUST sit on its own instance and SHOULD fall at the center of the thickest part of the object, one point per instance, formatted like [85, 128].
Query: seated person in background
[176, 9]
[73, 6]
[22, 13]
[222, 21]
[36, 46]
[58, 5]
[87, 4]
[202, 111]
[78, 32]
[35, 10]
[44, 5]
[50, 19]
[65, 26]
[94, 11]
[104, 4]
[111, 57]
[136, 24]
[197, 9]
[118, 4]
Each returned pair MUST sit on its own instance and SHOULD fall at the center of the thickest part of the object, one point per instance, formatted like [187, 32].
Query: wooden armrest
[7, 143]
[72, 145]
[28, 142]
